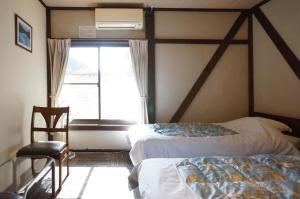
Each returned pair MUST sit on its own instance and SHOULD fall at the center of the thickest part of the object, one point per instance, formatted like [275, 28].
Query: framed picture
[23, 33]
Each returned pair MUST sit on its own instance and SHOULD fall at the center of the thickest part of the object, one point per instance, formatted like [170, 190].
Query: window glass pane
[82, 99]
[119, 94]
[82, 65]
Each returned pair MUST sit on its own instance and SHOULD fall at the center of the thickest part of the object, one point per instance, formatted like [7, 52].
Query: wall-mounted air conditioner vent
[119, 18]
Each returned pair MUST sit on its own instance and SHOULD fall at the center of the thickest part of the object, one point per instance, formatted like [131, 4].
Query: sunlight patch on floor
[96, 182]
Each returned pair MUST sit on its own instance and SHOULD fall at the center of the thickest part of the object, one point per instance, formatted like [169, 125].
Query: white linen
[275, 124]
[159, 179]
[294, 140]
[255, 137]
[58, 57]
[139, 57]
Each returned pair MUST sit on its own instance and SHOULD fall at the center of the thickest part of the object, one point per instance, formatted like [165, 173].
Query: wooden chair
[55, 149]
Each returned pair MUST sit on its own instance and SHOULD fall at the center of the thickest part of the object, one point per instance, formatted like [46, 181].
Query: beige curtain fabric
[139, 56]
[58, 56]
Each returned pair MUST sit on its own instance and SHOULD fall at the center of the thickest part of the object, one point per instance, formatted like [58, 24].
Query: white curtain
[139, 56]
[58, 56]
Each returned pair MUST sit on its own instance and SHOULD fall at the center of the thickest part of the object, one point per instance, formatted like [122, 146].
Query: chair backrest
[51, 117]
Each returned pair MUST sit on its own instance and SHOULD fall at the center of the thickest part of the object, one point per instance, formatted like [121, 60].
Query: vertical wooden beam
[250, 58]
[281, 45]
[250, 66]
[48, 32]
[209, 67]
[150, 31]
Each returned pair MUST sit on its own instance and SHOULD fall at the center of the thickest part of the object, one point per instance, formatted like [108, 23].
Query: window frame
[98, 124]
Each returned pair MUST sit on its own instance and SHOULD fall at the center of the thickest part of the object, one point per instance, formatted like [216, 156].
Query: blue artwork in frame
[23, 33]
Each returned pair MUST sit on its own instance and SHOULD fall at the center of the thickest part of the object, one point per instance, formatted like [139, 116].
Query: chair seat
[10, 196]
[51, 148]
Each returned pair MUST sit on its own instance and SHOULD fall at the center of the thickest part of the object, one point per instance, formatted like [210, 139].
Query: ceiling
[158, 3]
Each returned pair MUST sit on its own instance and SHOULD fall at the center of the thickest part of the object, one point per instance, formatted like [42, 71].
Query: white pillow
[274, 124]
[294, 140]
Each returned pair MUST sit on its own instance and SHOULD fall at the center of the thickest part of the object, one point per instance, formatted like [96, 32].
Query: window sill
[99, 127]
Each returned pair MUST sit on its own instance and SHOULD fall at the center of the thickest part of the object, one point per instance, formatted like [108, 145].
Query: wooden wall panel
[209, 67]
[277, 88]
[279, 42]
[177, 68]
[224, 95]
[285, 18]
[179, 65]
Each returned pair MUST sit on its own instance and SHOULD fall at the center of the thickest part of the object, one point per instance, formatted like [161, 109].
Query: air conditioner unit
[119, 18]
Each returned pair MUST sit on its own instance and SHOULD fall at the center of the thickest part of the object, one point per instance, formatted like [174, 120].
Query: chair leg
[32, 166]
[68, 163]
[60, 172]
[53, 179]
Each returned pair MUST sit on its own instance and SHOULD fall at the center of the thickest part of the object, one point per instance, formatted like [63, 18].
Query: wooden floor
[97, 175]
[101, 159]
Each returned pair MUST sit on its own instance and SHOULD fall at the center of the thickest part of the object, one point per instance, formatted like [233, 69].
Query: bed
[259, 176]
[254, 135]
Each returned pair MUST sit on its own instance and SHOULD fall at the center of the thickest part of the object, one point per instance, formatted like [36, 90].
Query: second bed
[260, 176]
[245, 136]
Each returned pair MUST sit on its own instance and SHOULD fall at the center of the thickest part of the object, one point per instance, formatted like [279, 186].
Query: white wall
[22, 75]
[115, 140]
[277, 88]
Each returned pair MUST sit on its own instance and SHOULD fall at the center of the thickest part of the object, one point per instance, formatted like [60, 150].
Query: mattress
[254, 137]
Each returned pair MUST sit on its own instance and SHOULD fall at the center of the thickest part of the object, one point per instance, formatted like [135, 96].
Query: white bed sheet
[255, 137]
[159, 179]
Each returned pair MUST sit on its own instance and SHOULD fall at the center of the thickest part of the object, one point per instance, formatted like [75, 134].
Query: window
[99, 84]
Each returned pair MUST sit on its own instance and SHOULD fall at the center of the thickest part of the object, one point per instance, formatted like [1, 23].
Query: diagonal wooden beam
[283, 48]
[209, 67]
[263, 2]
[43, 3]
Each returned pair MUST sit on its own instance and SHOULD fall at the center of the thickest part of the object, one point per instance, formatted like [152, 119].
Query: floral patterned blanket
[193, 129]
[260, 176]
